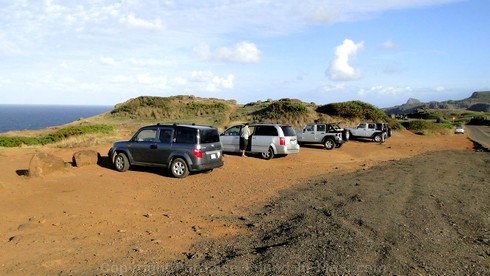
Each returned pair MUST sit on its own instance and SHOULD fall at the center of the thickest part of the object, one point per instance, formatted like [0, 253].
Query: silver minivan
[268, 140]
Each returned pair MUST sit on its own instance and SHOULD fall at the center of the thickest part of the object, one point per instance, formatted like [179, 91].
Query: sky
[103, 52]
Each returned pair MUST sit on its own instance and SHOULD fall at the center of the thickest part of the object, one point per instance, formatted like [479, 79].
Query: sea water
[32, 117]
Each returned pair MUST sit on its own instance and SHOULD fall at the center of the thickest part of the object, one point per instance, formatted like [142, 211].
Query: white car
[267, 139]
[459, 130]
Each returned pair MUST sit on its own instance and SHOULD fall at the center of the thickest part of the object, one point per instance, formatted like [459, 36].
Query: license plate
[293, 142]
[213, 156]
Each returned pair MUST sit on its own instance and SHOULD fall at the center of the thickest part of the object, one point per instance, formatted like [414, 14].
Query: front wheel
[329, 144]
[179, 168]
[121, 162]
[268, 154]
[377, 138]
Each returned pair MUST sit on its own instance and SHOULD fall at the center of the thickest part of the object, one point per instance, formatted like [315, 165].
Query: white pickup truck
[373, 131]
[329, 135]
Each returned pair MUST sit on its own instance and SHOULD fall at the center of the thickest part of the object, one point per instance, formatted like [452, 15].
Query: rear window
[186, 136]
[209, 136]
[288, 131]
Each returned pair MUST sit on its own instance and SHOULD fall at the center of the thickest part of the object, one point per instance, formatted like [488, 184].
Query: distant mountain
[479, 101]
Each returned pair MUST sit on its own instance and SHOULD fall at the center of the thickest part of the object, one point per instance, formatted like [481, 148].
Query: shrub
[354, 110]
[424, 127]
[63, 133]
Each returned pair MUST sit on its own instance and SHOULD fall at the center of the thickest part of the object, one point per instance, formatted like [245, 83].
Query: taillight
[197, 152]
[282, 141]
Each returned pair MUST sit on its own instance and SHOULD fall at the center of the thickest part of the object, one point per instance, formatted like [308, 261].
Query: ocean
[32, 117]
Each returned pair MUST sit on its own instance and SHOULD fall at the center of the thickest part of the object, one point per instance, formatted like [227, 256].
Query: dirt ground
[414, 204]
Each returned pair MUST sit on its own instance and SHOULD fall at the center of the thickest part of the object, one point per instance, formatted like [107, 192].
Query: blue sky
[101, 52]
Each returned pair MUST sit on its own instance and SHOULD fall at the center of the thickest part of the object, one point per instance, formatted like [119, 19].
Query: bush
[424, 127]
[354, 110]
[63, 133]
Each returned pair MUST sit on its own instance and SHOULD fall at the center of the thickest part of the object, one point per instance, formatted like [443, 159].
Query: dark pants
[243, 143]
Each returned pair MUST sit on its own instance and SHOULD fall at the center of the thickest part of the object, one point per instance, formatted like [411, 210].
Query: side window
[265, 131]
[371, 126]
[361, 126]
[165, 135]
[233, 131]
[320, 127]
[310, 127]
[147, 135]
[186, 136]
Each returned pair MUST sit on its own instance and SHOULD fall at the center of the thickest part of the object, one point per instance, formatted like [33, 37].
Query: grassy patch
[424, 127]
[57, 136]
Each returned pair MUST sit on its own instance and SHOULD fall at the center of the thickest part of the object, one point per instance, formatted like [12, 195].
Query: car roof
[181, 125]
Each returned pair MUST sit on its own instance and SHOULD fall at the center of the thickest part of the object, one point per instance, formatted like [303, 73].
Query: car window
[371, 125]
[147, 135]
[361, 126]
[186, 136]
[320, 127]
[208, 136]
[310, 127]
[166, 135]
[288, 131]
[233, 131]
[265, 131]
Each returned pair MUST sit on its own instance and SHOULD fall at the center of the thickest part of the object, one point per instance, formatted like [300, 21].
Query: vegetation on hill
[16, 141]
[354, 110]
[134, 113]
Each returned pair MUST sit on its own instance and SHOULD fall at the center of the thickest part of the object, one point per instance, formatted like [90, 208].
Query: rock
[44, 163]
[85, 158]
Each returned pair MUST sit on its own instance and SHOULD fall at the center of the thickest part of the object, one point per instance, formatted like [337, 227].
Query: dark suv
[177, 147]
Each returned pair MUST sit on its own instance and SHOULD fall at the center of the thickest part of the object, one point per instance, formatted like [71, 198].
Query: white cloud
[107, 61]
[389, 45]
[132, 21]
[387, 90]
[340, 69]
[440, 89]
[209, 82]
[242, 52]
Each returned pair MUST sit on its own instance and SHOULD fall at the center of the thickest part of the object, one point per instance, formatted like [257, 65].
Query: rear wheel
[121, 162]
[268, 154]
[179, 168]
[377, 138]
[329, 144]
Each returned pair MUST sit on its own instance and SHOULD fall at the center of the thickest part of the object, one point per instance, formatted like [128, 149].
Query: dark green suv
[177, 147]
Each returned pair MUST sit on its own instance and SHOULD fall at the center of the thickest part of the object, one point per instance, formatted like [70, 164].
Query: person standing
[244, 134]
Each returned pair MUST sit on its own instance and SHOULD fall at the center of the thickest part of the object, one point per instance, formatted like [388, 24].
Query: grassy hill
[222, 113]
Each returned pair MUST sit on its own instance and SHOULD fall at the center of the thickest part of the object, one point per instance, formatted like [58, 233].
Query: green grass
[17, 141]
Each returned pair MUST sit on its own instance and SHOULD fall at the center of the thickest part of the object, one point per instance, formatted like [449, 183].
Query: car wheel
[329, 144]
[268, 155]
[179, 168]
[121, 162]
[377, 138]
[339, 145]
[346, 135]
[390, 132]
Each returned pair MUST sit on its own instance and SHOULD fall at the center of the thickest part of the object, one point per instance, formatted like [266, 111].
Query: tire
[345, 135]
[179, 168]
[121, 162]
[268, 155]
[329, 144]
[339, 145]
[390, 132]
[377, 138]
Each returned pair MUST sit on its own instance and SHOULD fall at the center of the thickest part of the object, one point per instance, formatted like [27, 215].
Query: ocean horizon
[33, 117]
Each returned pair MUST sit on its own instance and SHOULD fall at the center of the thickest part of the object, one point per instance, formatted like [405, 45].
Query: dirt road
[96, 220]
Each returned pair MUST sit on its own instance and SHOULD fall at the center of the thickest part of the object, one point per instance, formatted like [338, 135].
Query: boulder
[44, 163]
[85, 157]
